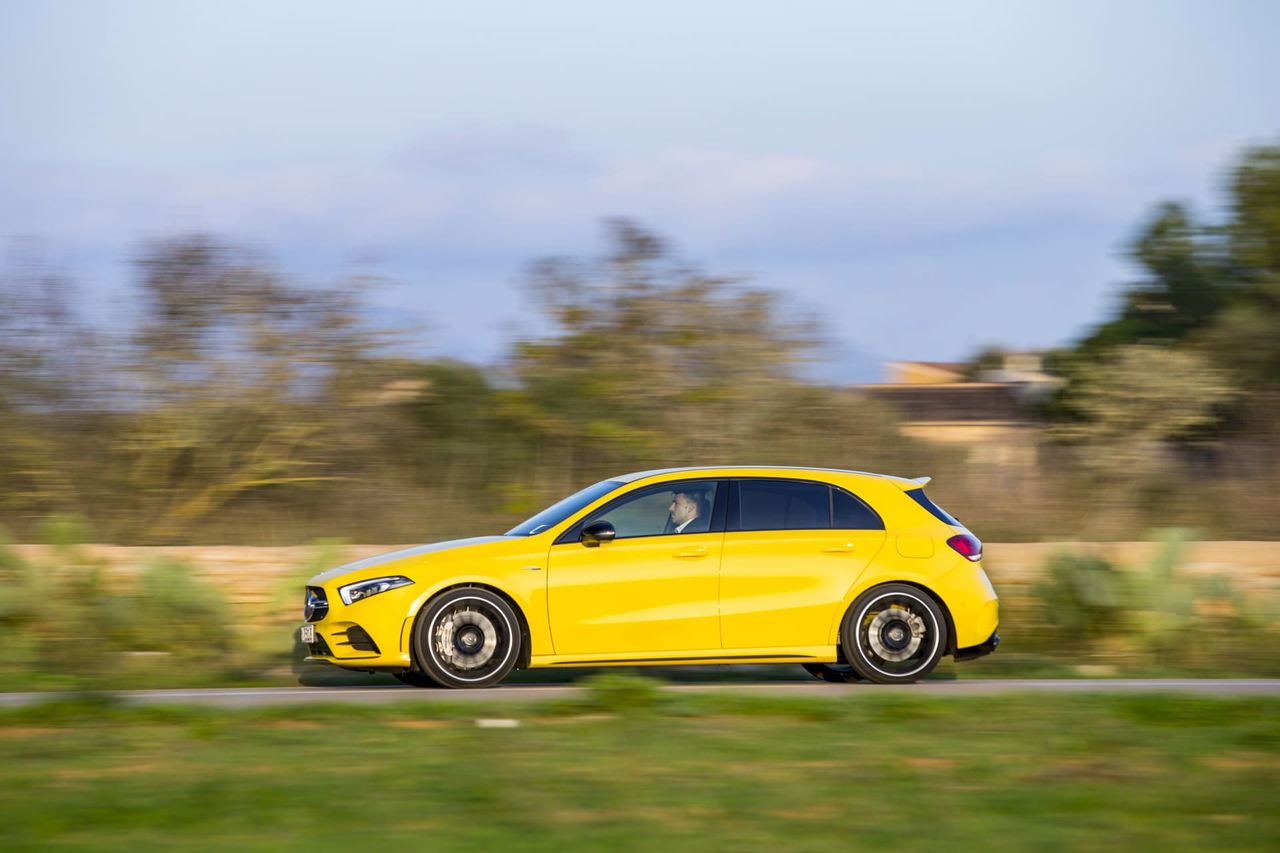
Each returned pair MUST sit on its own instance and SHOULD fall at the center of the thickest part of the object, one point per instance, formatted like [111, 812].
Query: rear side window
[783, 505]
[936, 511]
[849, 513]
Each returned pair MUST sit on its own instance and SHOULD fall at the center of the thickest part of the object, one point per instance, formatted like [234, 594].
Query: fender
[525, 601]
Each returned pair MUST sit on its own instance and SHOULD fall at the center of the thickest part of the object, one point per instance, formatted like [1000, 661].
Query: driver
[688, 513]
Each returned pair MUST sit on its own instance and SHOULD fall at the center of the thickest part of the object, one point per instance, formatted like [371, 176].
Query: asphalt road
[258, 696]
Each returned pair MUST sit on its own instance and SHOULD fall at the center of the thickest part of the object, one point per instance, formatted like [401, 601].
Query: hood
[403, 553]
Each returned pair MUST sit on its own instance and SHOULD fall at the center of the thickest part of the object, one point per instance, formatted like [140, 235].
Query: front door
[654, 588]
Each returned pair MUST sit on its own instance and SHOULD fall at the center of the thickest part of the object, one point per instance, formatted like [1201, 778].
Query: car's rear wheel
[894, 634]
[467, 637]
[836, 673]
[414, 678]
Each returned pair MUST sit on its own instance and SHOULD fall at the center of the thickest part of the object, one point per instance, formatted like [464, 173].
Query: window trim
[734, 522]
[573, 533]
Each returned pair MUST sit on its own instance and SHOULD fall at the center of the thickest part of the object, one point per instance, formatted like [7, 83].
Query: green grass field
[628, 769]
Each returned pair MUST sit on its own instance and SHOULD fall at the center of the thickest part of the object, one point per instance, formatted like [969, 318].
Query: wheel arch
[950, 648]
[525, 644]
[946, 614]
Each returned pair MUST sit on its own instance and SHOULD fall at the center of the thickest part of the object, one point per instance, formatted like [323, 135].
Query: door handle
[839, 549]
[690, 553]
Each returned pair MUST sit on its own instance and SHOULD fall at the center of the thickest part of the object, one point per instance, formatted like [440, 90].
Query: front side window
[783, 505]
[685, 506]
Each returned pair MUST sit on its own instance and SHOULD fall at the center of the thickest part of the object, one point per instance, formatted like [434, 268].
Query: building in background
[988, 412]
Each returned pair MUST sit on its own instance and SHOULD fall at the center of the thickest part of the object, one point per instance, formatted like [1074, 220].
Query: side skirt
[804, 654]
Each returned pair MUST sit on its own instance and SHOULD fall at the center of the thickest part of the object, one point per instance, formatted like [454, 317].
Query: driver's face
[682, 508]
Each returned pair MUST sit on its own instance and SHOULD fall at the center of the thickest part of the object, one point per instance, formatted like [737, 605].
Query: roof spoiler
[908, 484]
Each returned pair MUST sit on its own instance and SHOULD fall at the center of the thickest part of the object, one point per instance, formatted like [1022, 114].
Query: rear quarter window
[850, 513]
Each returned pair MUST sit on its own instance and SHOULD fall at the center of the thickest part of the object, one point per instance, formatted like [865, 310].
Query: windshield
[558, 512]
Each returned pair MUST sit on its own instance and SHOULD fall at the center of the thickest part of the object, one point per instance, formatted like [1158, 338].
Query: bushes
[68, 622]
[170, 611]
[1153, 615]
[63, 622]
[621, 693]
[1081, 595]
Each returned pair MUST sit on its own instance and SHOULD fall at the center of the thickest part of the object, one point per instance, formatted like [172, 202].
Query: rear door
[791, 551]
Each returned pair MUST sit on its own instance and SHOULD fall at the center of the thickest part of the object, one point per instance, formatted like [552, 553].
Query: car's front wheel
[894, 634]
[467, 637]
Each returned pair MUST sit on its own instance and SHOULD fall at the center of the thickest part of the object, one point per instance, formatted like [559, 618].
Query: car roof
[723, 470]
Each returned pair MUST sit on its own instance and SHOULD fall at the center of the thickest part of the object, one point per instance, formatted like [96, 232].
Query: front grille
[358, 639]
[319, 647]
[316, 605]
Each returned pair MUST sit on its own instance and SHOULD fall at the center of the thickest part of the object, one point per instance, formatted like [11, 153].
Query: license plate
[308, 633]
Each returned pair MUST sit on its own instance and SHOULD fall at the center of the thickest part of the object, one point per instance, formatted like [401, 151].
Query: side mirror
[594, 534]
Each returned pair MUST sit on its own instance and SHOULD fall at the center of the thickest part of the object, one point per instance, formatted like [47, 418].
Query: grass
[626, 768]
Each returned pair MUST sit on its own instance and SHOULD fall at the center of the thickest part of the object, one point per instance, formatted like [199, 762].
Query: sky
[925, 178]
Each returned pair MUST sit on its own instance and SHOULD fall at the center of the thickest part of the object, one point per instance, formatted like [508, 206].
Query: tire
[894, 634]
[467, 638]
[413, 678]
[836, 673]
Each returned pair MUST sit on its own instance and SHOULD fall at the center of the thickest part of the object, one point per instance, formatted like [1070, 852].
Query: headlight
[353, 592]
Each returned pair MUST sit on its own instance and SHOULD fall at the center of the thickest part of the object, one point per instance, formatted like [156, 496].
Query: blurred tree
[651, 359]
[651, 363]
[1136, 399]
[239, 382]
[240, 395]
[470, 439]
[1254, 230]
[1246, 335]
[52, 386]
[1214, 284]
[1211, 287]
[987, 358]
[1183, 291]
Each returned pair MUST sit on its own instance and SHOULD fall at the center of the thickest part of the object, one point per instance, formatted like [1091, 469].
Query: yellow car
[853, 575]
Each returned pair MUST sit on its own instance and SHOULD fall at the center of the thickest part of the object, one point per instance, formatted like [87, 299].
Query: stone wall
[256, 576]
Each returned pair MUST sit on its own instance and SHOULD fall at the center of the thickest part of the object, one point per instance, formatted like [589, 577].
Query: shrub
[59, 616]
[1082, 595]
[622, 693]
[1154, 615]
[168, 609]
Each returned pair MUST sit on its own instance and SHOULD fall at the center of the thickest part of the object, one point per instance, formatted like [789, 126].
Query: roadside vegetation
[68, 623]
[620, 771]
[1083, 614]
[242, 407]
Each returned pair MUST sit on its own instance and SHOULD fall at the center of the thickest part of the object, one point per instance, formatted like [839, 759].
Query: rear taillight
[966, 546]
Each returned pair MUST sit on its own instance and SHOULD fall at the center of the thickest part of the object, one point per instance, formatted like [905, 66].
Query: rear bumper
[980, 650]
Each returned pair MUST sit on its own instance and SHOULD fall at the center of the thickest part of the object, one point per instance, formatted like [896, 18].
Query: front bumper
[373, 640]
[980, 650]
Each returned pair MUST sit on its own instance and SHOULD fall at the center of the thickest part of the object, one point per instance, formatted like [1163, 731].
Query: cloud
[958, 255]
[522, 152]
[518, 190]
